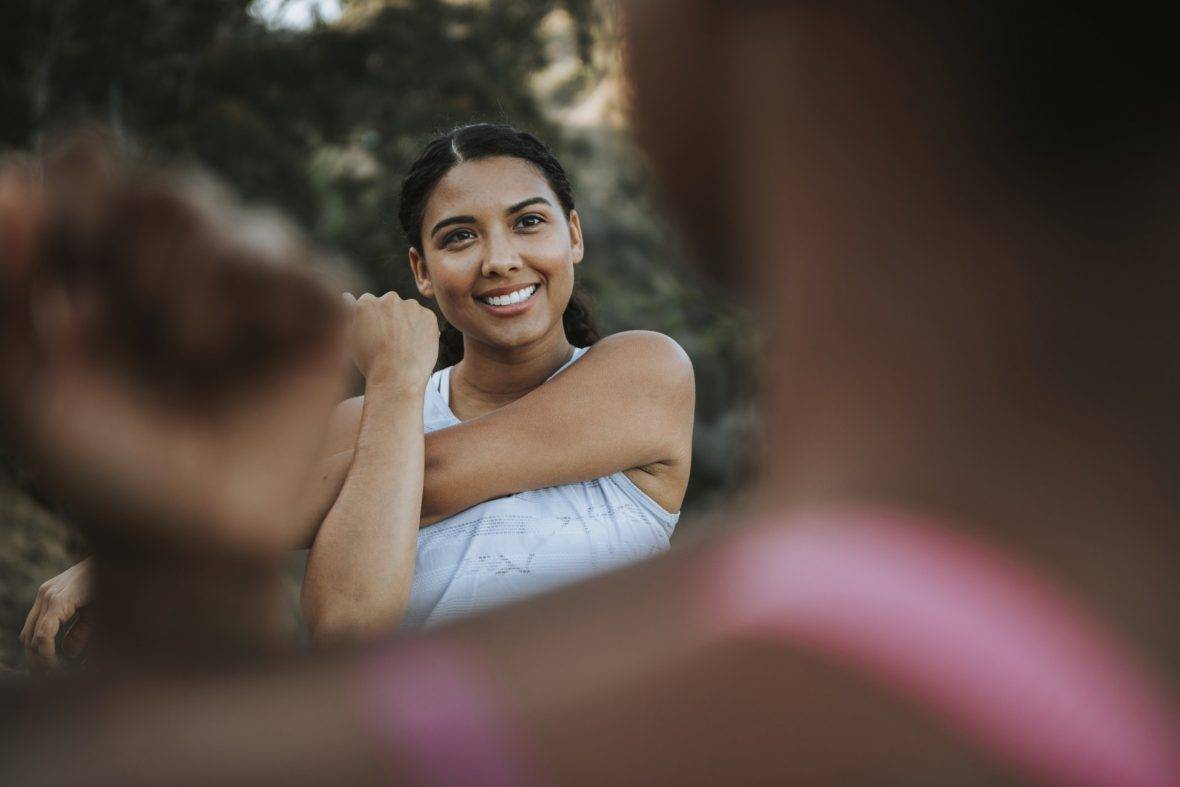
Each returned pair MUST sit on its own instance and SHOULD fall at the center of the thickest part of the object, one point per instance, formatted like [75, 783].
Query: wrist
[395, 390]
[393, 377]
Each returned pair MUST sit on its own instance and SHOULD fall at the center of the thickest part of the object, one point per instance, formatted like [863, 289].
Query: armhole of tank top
[632, 489]
[669, 518]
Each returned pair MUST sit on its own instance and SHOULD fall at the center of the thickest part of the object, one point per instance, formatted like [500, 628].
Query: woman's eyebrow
[452, 220]
[524, 203]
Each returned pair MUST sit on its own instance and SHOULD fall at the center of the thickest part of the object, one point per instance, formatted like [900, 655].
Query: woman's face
[498, 252]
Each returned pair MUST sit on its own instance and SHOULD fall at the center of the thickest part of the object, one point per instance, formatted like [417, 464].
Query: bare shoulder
[657, 369]
[647, 357]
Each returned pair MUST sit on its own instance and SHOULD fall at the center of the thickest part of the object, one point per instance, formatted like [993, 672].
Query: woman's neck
[490, 377]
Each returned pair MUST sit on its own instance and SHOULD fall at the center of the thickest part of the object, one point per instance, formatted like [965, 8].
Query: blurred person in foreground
[171, 362]
[960, 566]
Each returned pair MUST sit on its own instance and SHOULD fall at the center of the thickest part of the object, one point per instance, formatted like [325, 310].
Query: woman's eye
[458, 236]
[531, 220]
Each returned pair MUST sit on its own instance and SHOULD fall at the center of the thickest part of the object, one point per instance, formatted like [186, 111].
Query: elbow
[319, 617]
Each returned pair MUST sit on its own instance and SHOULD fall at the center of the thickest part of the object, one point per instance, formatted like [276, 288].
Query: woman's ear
[421, 275]
[577, 247]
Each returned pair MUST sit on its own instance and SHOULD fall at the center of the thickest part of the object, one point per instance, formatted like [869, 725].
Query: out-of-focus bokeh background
[317, 107]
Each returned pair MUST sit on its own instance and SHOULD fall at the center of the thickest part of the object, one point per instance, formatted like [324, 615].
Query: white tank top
[517, 546]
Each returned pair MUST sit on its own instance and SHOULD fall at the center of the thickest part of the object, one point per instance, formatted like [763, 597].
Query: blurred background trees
[317, 108]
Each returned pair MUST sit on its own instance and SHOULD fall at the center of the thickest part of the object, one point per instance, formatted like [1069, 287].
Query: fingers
[42, 652]
[78, 635]
[52, 607]
[26, 632]
[393, 333]
[352, 300]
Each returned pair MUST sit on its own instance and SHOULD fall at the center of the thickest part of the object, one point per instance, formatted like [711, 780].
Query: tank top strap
[577, 353]
[440, 381]
[442, 384]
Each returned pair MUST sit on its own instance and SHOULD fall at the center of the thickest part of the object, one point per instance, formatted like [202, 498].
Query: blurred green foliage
[322, 122]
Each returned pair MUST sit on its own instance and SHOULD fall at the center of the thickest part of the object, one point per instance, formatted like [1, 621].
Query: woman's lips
[511, 309]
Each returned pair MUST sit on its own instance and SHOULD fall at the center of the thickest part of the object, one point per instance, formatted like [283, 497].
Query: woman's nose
[502, 258]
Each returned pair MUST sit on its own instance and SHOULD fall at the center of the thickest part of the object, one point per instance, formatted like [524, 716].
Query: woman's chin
[514, 337]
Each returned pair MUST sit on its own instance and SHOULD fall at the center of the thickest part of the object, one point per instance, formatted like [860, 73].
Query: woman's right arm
[361, 564]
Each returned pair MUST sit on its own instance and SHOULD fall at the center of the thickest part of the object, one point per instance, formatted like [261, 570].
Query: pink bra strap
[436, 715]
[993, 650]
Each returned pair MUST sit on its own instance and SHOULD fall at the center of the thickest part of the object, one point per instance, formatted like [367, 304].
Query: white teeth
[512, 297]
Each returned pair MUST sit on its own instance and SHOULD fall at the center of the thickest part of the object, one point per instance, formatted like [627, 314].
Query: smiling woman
[506, 258]
[531, 481]
[525, 163]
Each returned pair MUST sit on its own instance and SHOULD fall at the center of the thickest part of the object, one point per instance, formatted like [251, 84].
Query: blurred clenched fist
[391, 339]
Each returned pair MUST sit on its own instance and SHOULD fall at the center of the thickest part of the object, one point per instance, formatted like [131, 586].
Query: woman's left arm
[628, 404]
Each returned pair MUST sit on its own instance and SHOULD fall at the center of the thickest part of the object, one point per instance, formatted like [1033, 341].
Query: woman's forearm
[361, 564]
[319, 495]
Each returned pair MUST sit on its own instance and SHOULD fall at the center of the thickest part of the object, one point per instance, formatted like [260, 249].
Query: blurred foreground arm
[563, 689]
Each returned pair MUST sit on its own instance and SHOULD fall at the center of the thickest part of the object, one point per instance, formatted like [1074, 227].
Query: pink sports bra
[994, 650]
[990, 648]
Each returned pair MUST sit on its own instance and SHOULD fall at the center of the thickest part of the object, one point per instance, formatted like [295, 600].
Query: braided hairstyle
[484, 140]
